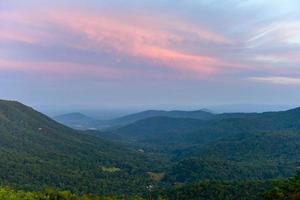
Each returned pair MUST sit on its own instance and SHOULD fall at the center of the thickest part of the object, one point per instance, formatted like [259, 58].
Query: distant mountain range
[77, 121]
[196, 131]
[248, 108]
[83, 122]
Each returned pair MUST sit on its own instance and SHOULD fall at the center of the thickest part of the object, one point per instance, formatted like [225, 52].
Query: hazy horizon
[104, 113]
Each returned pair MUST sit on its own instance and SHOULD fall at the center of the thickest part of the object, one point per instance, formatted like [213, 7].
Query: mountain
[76, 121]
[82, 122]
[77, 117]
[257, 146]
[198, 114]
[232, 146]
[195, 131]
[173, 134]
[247, 108]
[169, 134]
[37, 152]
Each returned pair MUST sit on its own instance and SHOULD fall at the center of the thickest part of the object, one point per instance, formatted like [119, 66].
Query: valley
[172, 153]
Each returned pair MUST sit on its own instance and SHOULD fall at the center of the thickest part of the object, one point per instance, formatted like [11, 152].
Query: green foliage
[37, 152]
[246, 190]
[260, 156]
[284, 189]
[192, 170]
[52, 194]
[227, 147]
[194, 155]
[175, 134]
[8, 194]
[110, 169]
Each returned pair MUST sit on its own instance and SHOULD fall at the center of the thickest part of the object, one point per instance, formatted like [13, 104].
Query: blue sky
[150, 53]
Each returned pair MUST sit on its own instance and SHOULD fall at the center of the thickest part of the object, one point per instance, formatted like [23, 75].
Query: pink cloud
[64, 69]
[16, 37]
[146, 38]
[152, 44]
[181, 61]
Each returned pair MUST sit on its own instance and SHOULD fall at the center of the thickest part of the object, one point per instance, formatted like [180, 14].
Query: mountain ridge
[38, 152]
[86, 122]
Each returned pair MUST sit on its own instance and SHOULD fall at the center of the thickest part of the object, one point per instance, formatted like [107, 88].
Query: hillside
[189, 131]
[37, 152]
[176, 134]
[159, 131]
[264, 155]
[237, 146]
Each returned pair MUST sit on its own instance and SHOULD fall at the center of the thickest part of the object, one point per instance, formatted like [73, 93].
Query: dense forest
[246, 190]
[227, 156]
[37, 152]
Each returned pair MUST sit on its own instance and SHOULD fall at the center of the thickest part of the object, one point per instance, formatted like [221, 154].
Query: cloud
[284, 31]
[61, 69]
[156, 39]
[6, 36]
[146, 39]
[164, 42]
[277, 80]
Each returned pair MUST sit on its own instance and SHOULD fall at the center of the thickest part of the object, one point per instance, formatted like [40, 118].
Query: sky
[157, 53]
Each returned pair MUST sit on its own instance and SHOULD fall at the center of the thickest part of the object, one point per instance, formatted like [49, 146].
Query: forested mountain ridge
[229, 157]
[237, 146]
[37, 152]
[82, 122]
[196, 131]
